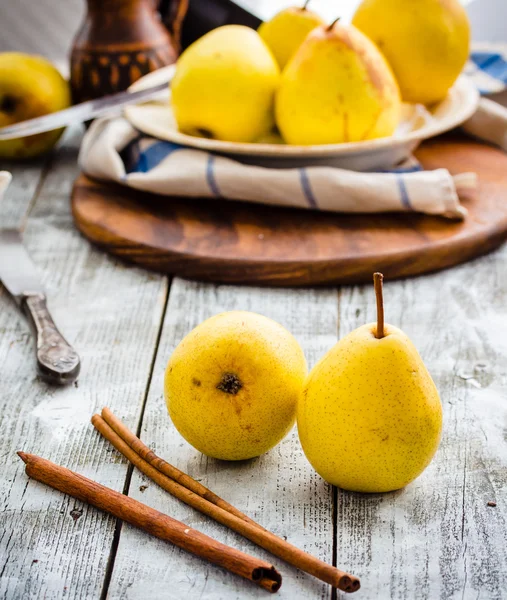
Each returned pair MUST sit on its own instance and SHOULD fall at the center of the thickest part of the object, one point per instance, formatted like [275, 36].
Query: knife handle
[57, 361]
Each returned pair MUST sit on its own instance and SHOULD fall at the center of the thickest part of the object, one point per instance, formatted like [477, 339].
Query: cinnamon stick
[249, 529]
[164, 467]
[152, 521]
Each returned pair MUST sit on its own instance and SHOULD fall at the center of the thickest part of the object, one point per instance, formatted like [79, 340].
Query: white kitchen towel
[113, 150]
[489, 123]
[487, 67]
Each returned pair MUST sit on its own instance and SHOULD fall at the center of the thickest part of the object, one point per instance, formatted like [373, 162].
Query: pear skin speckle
[370, 418]
[233, 383]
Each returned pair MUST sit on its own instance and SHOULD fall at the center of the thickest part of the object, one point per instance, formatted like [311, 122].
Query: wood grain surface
[149, 520]
[101, 309]
[436, 539]
[233, 242]
[279, 490]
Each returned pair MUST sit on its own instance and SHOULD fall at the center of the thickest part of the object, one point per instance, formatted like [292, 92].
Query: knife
[86, 110]
[57, 362]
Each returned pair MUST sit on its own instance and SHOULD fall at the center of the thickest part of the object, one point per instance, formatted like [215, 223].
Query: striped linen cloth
[488, 69]
[113, 150]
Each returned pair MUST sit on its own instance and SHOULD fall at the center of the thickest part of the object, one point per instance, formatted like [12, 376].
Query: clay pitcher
[119, 42]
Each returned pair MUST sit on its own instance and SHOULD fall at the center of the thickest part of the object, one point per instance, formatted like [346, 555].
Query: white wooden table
[435, 539]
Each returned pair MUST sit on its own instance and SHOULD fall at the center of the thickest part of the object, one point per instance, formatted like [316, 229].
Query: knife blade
[17, 271]
[57, 361]
[85, 111]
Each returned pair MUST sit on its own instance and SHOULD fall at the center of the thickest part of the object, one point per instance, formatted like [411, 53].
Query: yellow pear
[426, 42]
[287, 30]
[273, 137]
[30, 86]
[224, 86]
[337, 88]
[233, 383]
[370, 418]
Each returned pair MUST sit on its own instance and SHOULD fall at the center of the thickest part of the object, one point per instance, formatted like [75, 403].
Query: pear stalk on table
[370, 418]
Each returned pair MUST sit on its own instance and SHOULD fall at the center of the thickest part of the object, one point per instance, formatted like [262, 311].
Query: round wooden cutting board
[238, 242]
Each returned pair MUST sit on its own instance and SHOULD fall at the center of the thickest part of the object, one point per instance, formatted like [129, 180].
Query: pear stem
[333, 23]
[305, 5]
[378, 278]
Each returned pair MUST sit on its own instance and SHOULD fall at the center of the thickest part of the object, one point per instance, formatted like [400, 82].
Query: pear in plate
[287, 30]
[426, 42]
[337, 88]
[224, 86]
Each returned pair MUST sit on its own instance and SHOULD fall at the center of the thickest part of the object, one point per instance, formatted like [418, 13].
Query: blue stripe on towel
[407, 165]
[405, 200]
[401, 170]
[153, 155]
[307, 189]
[497, 69]
[130, 154]
[493, 64]
[404, 170]
[210, 177]
[484, 59]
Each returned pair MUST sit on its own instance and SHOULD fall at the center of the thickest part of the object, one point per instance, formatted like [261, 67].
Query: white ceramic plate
[156, 119]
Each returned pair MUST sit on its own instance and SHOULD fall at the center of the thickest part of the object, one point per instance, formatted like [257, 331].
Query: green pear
[370, 418]
[287, 30]
[337, 88]
[224, 86]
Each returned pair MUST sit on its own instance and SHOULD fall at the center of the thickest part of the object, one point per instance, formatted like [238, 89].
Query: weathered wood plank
[438, 538]
[279, 489]
[50, 545]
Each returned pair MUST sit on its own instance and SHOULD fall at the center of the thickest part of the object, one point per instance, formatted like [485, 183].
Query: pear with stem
[370, 418]
[287, 30]
[337, 88]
